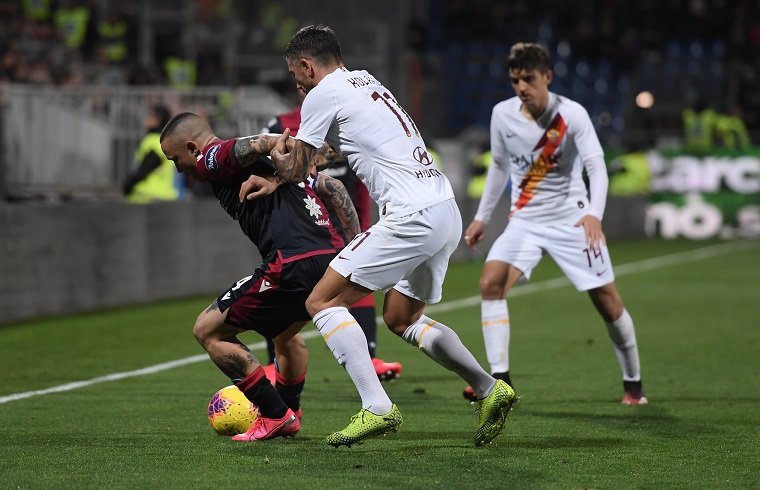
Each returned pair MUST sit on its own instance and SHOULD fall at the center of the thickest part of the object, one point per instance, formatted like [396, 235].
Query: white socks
[496, 334]
[623, 337]
[443, 345]
[348, 344]
[494, 317]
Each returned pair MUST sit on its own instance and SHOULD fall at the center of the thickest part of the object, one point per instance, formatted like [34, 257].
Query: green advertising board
[700, 197]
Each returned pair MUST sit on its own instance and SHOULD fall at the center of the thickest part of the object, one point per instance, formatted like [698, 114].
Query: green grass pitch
[696, 306]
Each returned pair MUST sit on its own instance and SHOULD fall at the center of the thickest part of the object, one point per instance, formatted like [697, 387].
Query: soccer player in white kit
[543, 141]
[405, 254]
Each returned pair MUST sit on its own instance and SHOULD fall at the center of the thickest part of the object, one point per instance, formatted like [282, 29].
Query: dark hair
[529, 57]
[315, 42]
[173, 123]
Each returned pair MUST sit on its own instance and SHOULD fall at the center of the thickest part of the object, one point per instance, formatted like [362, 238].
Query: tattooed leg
[220, 341]
[233, 358]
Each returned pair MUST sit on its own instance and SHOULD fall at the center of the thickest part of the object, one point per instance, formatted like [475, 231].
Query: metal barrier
[59, 142]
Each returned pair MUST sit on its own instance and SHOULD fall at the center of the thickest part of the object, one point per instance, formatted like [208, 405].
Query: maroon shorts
[274, 297]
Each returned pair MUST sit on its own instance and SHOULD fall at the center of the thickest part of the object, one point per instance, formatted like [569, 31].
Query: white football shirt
[545, 160]
[360, 118]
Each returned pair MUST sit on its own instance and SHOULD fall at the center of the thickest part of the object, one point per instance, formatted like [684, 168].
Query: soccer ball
[230, 412]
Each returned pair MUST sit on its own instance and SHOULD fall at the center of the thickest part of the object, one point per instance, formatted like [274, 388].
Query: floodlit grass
[697, 321]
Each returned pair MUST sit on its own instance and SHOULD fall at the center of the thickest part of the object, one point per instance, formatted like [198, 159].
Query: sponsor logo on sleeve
[211, 164]
[421, 155]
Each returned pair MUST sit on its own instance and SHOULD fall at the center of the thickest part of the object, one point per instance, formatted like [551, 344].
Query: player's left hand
[594, 235]
[258, 186]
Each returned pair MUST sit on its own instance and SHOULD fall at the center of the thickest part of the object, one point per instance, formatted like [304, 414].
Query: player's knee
[613, 311]
[490, 288]
[201, 331]
[289, 344]
[397, 323]
[314, 305]
[398, 328]
[205, 330]
[608, 303]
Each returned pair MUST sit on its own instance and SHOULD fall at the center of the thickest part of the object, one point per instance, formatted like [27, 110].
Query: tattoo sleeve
[295, 166]
[325, 157]
[250, 148]
[338, 202]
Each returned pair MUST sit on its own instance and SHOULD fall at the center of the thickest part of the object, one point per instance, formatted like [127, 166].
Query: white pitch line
[156, 368]
[625, 269]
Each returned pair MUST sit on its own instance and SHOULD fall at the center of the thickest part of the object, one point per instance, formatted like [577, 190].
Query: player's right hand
[593, 228]
[474, 234]
[257, 186]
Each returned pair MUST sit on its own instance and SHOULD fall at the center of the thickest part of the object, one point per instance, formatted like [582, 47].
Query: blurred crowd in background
[680, 50]
[685, 52]
[67, 43]
[130, 42]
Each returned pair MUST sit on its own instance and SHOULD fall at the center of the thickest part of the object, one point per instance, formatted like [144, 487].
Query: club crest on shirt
[553, 135]
[313, 207]
[211, 163]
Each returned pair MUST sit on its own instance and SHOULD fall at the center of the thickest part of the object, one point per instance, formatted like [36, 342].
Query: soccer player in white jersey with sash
[543, 141]
[405, 254]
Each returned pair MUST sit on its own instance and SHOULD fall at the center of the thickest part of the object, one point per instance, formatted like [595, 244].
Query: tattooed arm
[338, 202]
[316, 158]
[293, 163]
[324, 157]
[249, 148]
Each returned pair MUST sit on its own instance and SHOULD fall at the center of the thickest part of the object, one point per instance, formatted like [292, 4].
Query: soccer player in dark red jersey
[364, 310]
[291, 227]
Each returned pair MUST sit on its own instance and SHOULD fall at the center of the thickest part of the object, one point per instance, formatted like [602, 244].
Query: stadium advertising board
[704, 197]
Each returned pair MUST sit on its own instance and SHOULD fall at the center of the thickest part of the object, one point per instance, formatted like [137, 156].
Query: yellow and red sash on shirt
[550, 141]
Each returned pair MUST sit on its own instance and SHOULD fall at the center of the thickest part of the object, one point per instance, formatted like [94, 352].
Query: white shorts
[524, 244]
[407, 253]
